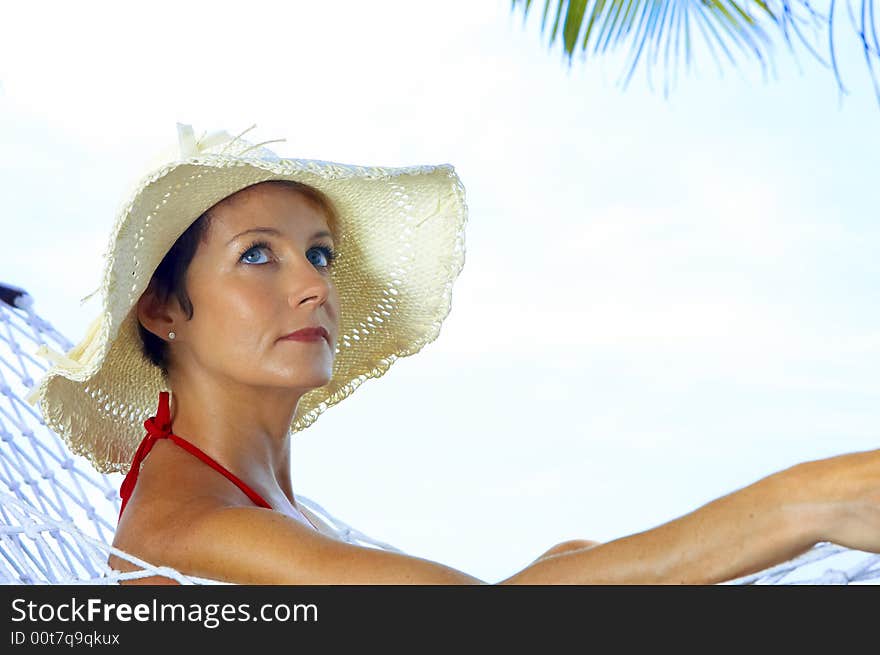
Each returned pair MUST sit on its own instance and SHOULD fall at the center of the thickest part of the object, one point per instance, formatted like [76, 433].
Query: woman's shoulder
[152, 528]
[183, 515]
[176, 506]
[231, 543]
[255, 545]
[217, 540]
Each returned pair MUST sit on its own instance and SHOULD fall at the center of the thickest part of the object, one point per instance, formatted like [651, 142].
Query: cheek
[239, 315]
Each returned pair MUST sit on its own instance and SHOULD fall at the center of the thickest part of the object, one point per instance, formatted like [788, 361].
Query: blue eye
[327, 251]
[253, 246]
[329, 255]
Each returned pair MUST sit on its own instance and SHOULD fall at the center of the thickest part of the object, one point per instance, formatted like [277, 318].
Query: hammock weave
[58, 514]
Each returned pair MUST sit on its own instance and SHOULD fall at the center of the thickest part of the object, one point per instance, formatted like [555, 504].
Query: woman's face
[262, 273]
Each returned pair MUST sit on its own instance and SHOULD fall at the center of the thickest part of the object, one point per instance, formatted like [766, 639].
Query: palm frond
[653, 26]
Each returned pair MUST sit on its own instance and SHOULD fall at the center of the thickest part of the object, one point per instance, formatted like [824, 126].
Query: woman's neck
[246, 429]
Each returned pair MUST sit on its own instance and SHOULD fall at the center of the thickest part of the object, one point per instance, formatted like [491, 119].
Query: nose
[309, 284]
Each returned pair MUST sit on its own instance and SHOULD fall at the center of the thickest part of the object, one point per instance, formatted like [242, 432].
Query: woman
[208, 491]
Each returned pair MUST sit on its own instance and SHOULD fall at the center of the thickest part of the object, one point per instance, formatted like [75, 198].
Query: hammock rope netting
[58, 514]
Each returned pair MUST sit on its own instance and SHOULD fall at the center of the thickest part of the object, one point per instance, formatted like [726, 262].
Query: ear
[156, 317]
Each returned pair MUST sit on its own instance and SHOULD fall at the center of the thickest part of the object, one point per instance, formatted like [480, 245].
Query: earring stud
[171, 335]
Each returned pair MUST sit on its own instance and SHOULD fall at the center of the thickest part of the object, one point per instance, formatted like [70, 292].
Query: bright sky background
[662, 301]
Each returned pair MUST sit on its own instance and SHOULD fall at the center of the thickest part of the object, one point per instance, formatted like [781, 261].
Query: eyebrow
[272, 230]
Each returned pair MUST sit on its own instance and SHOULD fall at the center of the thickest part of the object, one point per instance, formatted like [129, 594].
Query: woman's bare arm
[748, 530]
[251, 545]
[740, 533]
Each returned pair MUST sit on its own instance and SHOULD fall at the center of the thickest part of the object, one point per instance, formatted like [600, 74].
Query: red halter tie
[159, 427]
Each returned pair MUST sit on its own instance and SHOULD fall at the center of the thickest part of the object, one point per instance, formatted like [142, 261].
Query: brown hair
[169, 277]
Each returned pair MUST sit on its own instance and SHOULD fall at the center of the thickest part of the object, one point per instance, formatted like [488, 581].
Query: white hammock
[58, 514]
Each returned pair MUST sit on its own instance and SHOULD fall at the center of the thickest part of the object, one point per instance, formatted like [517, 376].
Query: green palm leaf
[667, 27]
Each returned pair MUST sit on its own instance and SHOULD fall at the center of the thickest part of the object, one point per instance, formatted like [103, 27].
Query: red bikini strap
[256, 498]
[159, 427]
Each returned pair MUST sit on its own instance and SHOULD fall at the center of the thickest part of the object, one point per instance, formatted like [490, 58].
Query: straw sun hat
[400, 248]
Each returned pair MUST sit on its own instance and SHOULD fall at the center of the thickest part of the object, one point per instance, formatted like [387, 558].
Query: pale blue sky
[663, 299]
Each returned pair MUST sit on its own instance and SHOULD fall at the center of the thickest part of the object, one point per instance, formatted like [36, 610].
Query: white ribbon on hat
[189, 146]
[76, 358]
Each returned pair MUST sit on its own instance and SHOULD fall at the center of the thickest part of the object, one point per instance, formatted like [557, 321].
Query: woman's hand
[844, 492]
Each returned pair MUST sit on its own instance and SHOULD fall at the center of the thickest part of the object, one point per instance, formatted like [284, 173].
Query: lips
[308, 333]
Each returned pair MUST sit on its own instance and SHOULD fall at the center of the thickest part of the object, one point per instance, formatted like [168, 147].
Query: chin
[307, 381]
